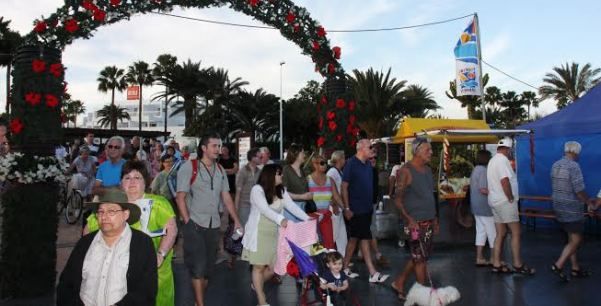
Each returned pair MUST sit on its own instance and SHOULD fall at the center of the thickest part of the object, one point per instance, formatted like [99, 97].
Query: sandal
[524, 269]
[557, 271]
[400, 294]
[581, 273]
[502, 269]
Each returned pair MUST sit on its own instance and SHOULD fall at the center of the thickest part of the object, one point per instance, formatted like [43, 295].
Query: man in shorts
[503, 199]
[357, 196]
[200, 189]
[414, 199]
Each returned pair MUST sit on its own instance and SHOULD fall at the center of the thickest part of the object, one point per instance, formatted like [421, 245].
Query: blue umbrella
[305, 263]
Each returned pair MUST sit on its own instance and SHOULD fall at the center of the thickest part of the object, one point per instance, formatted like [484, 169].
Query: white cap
[506, 142]
[572, 147]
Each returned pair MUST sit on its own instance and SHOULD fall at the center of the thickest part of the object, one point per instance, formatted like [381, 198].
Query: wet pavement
[452, 263]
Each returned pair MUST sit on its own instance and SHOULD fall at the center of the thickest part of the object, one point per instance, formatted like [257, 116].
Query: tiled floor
[452, 264]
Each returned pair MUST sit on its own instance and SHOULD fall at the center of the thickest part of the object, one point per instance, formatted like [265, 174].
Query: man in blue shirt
[357, 196]
[109, 172]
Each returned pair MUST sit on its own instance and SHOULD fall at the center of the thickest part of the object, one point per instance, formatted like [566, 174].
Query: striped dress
[322, 195]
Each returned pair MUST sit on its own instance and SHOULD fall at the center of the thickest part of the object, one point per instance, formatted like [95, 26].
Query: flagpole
[480, 66]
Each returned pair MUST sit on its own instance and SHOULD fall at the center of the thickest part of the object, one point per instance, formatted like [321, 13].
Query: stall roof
[410, 127]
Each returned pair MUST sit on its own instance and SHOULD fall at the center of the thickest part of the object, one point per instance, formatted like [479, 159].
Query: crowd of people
[136, 218]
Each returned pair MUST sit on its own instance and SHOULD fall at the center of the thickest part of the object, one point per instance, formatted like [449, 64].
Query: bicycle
[70, 202]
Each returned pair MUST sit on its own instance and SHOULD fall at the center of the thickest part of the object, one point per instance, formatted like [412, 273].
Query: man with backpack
[201, 185]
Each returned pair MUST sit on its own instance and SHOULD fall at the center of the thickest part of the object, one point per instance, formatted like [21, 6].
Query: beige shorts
[505, 212]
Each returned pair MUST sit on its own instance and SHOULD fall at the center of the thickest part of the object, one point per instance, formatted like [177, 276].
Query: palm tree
[184, 85]
[9, 42]
[72, 108]
[377, 94]
[257, 113]
[472, 103]
[164, 64]
[568, 83]
[417, 102]
[220, 92]
[112, 78]
[111, 113]
[139, 74]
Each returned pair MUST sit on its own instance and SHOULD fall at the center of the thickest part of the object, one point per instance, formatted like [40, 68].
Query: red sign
[133, 92]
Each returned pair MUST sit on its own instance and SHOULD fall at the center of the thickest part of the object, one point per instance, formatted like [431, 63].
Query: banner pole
[477, 22]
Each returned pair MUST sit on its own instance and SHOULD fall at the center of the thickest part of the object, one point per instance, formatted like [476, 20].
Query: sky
[526, 39]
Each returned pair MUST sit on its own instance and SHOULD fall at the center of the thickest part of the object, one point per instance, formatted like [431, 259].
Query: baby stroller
[308, 269]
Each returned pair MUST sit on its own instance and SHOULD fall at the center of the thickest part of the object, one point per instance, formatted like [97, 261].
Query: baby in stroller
[333, 280]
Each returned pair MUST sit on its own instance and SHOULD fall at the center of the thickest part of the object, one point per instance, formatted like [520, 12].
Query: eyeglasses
[114, 147]
[168, 161]
[110, 213]
[132, 178]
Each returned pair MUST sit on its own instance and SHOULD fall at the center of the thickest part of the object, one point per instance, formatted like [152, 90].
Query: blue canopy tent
[579, 121]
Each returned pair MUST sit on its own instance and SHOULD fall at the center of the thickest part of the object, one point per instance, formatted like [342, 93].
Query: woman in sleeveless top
[268, 200]
[326, 198]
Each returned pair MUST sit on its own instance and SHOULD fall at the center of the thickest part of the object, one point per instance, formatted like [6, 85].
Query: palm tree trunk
[166, 89]
[8, 67]
[140, 111]
[114, 119]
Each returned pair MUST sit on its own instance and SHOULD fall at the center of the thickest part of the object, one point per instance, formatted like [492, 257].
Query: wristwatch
[162, 253]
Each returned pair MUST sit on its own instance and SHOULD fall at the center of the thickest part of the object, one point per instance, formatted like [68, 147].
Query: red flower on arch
[352, 119]
[99, 15]
[340, 103]
[331, 68]
[331, 115]
[332, 125]
[336, 51]
[290, 17]
[38, 65]
[51, 100]
[88, 5]
[40, 27]
[71, 25]
[16, 126]
[321, 32]
[315, 45]
[339, 138]
[351, 105]
[56, 69]
[320, 141]
[115, 2]
[33, 98]
[253, 2]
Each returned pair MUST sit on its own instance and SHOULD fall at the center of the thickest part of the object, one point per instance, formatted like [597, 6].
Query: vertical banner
[467, 61]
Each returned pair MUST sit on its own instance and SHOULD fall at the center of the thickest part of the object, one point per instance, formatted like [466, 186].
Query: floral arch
[39, 75]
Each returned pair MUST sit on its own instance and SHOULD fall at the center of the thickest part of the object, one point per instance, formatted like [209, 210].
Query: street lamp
[281, 114]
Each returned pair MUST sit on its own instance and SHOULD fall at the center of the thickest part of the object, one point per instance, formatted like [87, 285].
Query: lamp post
[281, 114]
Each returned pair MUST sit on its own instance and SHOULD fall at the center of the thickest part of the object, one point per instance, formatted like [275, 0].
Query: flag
[467, 57]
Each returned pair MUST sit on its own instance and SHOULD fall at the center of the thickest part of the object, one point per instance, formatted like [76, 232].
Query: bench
[531, 213]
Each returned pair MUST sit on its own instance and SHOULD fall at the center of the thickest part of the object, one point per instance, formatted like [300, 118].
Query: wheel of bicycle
[62, 197]
[74, 207]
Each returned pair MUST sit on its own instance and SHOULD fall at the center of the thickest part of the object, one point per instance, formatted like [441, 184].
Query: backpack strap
[194, 171]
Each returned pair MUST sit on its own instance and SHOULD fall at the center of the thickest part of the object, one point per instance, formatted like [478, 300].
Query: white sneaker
[350, 274]
[378, 278]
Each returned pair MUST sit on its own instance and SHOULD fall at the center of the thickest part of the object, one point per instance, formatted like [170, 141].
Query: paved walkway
[452, 264]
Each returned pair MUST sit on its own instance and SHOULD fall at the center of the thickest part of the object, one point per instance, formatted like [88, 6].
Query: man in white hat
[503, 199]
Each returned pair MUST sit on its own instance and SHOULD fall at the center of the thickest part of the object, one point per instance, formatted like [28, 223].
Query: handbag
[232, 246]
[310, 206]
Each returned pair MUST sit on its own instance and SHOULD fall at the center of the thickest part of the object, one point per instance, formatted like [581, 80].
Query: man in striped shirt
[569, 203]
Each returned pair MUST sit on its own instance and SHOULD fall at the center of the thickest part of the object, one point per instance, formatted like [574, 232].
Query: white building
[153, 118]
